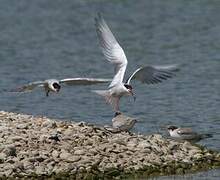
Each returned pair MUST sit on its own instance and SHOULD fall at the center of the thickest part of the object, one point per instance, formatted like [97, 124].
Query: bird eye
[172, 128]
[128, 86]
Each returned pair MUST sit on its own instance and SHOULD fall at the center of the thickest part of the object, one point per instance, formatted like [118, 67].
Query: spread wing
[153, 74]
[111, 49]
[29, 86]
[84, 81]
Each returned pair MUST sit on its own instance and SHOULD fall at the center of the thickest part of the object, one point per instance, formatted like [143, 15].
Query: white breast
[174, 133]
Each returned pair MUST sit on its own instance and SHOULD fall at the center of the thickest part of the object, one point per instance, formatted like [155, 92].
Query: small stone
[8, 172]
[35, 153]
[132, 144]
[68, 132]
[3, 129]
[43, 138]
[146, 150]
[79, 152]
[23, 154]
[74, 159]
[49, 124]
[55, 154]
[198, 156]
[186, 146]
[16, 138]
[65, 155]
[18, 165]
[144, 144]
[36, 159]
[10, 150]
[12, 160]
[27, 165]
[2, 157]
[40, 170]
[22, 126]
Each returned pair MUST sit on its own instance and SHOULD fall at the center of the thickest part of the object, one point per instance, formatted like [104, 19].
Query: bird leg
[117, 113]
[47, 93]
[116, 104]
[134, 98]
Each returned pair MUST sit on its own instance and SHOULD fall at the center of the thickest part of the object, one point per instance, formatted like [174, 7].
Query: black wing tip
[208, 135]
[98, 17]
[16, 90]
[99, 14]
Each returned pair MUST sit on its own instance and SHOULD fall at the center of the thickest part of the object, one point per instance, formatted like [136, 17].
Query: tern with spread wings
[114, 53]
[54, 85]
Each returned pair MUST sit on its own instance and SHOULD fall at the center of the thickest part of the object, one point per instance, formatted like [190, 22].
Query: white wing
[153, 74]
[29, 86]
[84, 81]
[111, 50]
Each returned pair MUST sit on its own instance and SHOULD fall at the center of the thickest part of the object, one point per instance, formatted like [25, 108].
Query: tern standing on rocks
[123, 122]
[186, 134]
[115, 55]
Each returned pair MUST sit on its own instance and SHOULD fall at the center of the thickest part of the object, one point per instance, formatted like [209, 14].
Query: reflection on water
[57, 39]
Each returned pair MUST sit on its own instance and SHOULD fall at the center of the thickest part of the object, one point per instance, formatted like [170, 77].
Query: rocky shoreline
[33, 147]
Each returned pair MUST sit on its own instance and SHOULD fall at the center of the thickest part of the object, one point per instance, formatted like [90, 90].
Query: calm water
[57, 39]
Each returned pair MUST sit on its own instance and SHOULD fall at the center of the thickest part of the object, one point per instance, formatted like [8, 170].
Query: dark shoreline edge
[205, 160]
[170, 169]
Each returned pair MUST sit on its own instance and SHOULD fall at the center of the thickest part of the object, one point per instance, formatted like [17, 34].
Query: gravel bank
[41, 147]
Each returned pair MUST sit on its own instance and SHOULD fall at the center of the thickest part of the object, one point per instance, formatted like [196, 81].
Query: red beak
[132, 94]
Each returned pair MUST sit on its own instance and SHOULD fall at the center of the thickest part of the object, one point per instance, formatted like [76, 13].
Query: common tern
[186, 134]
[54, 85]
[114, 53]
[123, 122]
[120, 123]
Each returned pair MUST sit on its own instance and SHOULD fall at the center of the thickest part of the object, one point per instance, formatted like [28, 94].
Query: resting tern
[120, 123]
[54, 85]
[186, 134]
[114, 53]
[123, 122]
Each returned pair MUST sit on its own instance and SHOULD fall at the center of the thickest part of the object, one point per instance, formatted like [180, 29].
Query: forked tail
[206, 136]
[103, 93]
[114, 101]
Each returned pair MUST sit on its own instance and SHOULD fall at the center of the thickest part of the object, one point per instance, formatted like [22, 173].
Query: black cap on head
[172, 128]
[128, 86]
[56, 86]
[117, 113]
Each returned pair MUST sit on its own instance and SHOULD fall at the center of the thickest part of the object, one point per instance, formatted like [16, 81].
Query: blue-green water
[57, 39]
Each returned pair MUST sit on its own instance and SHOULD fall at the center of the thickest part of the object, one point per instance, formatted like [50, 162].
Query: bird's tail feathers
[104, 93]
[206, 136]
[114, 101]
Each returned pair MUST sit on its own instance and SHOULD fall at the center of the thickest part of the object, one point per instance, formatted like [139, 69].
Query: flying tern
[186, 134]
[54, 85]
[114, 53]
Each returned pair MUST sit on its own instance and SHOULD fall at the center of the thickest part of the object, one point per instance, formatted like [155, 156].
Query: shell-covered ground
[41, 147]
